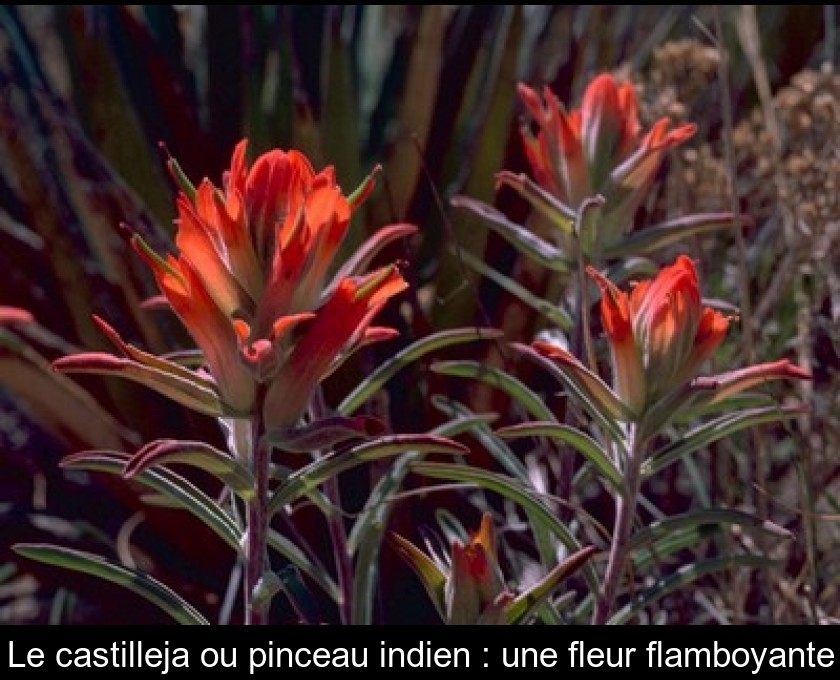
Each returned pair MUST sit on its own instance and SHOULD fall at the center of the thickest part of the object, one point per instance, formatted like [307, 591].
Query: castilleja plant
[659, 335]
[592, 167]
[469, 587]
[254, 282]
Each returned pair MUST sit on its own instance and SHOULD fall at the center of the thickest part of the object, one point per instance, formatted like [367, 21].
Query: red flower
[250, 283]
[660, 334]
[597, 149]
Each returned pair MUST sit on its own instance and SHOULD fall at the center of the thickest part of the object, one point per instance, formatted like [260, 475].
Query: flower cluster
[253, 283]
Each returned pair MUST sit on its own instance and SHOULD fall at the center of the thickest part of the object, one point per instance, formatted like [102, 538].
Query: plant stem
[625, 511]
[256, 609]
[343, 563]
[335, 525]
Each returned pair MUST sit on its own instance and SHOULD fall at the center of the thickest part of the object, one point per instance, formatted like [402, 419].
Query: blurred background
[88, 94]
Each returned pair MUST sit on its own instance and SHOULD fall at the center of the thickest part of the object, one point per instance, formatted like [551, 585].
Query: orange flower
[660, 334]
[476, 590]
[597, 149]
[255, 256]
[250, 283]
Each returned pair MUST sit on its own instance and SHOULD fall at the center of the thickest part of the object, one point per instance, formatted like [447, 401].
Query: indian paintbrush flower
[253, 283]
[470, 587]
[598, 149]
[660, 334]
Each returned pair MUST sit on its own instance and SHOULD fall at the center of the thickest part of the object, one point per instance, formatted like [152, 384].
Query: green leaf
[667, 536]
[579, 380]
[358, 263]
[324, 433]
[137, 582]
[495, 377]
[513, 490]
[366, 535]
[540, 305]
[668, 233]
[545, 203]
[430, 575]
[189, 393]
[717, 429]
[387, 370]
[221, 465]
[744, 401]
[316, 473]
[581, 442]
[165, 482]
[703, 517]
[684, 576]
[521, 238]
[500, 451]
[526, 603]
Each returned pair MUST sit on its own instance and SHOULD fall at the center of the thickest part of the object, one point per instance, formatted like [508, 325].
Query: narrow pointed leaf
[526, 603]
[581, 442]
[572, 381]
[191, 394]
[545, 203]
[500, 451]
[654, 238]
[653, 545]
[714, 516]
[513, 490]
[177, 492]
[221, 465]
[358, 263]
[430, 575]
[317, 472]
[324, 433]
[165, 482]
[746, 401]
[717, 429]
[387, 370]
[685, 576]
[540, 305]
[521, 238]
[495, 377]
[129, 351]
[365, 539]
[136, 581]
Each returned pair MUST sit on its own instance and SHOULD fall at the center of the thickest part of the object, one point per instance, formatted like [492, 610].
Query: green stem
[625, 511]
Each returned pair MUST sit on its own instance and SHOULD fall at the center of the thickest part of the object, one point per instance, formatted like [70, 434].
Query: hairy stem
[256, 609]
[625, 511]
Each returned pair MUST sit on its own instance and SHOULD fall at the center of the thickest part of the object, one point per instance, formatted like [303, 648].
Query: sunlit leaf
[496, 377]
[136, 581]
[430, 575]
[221, 465]
[659, 236]
[165, 482]
[527, 602]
